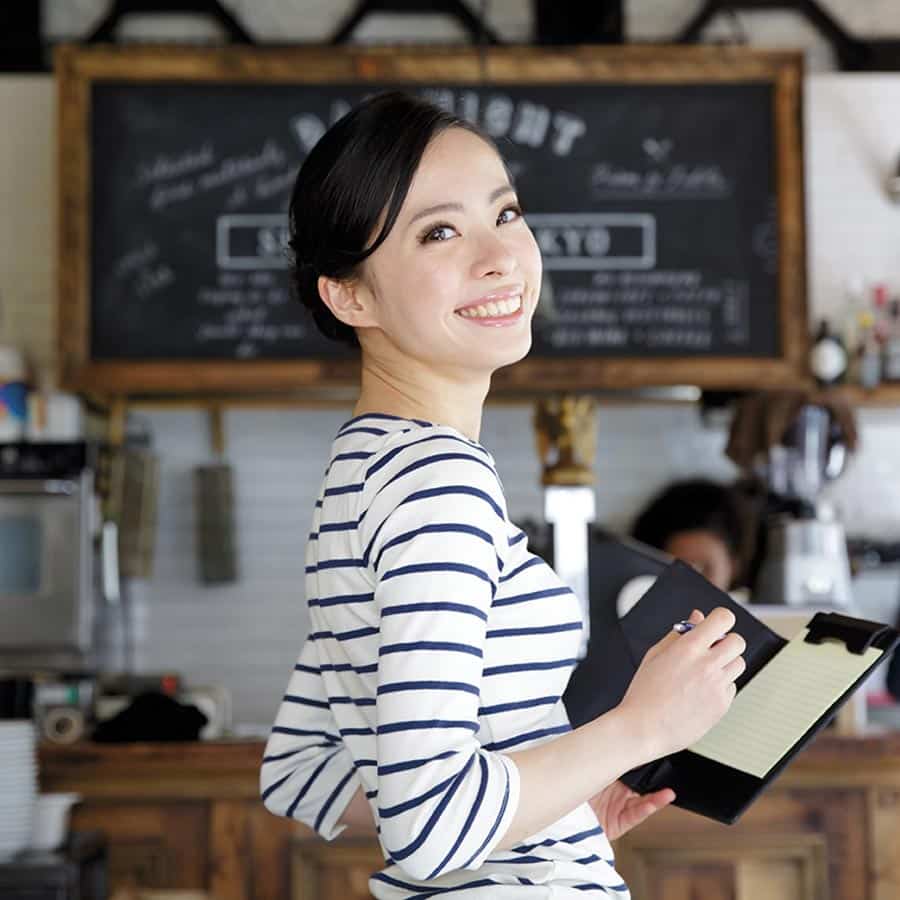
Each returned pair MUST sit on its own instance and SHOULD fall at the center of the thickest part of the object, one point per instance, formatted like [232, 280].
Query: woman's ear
[349, 300]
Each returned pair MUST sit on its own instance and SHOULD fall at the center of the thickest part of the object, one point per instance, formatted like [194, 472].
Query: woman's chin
[511, 354]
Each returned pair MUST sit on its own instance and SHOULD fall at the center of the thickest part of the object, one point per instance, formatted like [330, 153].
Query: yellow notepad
[782, 702]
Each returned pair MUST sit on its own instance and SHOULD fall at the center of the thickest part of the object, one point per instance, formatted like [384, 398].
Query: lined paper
[781, 703]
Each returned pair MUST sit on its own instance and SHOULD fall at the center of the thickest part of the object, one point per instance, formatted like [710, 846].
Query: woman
[700, 522]
[426, 701]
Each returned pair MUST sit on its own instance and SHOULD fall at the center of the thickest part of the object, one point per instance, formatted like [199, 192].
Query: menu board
[656, 207]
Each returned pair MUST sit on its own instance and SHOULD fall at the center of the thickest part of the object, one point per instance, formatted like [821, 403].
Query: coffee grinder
[805, 561]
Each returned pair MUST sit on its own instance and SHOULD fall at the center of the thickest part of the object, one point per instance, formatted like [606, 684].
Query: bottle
[855, 293]
[13, 394]
[891, 361]
[880, 311]
[828, 359]
[869, 352]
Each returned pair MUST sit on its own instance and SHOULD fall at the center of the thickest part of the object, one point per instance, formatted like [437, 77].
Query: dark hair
[693, 505]
[361, 168]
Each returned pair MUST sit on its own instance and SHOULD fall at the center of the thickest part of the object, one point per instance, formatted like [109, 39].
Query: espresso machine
[805, 562]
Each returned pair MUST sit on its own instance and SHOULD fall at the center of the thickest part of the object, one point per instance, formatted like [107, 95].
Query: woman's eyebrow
[458, 207]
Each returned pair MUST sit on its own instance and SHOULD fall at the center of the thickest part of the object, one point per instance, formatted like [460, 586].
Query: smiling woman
[446, 253]
[394, 251]
[426, 700]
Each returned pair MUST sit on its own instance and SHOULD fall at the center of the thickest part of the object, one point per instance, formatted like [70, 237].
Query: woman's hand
[684, 684]
[619, 809]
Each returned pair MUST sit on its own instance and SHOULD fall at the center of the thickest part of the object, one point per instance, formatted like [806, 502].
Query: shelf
[885, 395]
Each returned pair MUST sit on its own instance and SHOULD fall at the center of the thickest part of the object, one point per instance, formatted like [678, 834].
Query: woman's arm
[307, 772]
[434, 537]
[575, 754]
[682, 688]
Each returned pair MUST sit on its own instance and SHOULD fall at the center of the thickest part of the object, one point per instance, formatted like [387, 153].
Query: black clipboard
[703, 785]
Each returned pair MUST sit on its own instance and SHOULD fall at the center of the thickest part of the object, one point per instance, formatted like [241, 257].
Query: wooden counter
[188, 816]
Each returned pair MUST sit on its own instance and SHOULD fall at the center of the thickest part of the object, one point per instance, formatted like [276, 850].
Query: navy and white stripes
[437, 643]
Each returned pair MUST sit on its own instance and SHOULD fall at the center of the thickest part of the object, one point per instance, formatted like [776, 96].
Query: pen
[683, 627]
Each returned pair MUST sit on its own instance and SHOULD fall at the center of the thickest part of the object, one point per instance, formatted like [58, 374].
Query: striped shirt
[438, 644]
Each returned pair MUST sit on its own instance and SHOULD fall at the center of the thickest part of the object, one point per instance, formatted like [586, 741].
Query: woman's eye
[510, 214]
[438, 233]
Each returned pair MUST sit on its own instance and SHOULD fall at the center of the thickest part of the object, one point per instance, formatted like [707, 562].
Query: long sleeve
[307, 773]
[434, 538]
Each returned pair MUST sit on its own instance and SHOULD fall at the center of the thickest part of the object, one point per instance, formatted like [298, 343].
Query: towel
[761, 420]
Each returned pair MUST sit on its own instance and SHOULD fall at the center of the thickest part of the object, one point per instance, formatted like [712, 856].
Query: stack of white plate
[18, 785]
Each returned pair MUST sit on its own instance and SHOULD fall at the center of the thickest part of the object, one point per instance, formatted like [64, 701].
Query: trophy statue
[565, 432]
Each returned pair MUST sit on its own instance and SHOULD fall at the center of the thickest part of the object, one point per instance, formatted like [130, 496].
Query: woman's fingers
[731, 646]
[713, 628]
[734, 669]
[695, 618]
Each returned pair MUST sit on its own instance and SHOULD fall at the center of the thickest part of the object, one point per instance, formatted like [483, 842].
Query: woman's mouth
[494, 312]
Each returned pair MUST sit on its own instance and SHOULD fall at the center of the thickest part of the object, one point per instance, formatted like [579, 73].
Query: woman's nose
[493, 257]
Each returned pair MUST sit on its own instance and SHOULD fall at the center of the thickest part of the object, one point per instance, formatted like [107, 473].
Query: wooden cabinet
[182, 816]
[152, 844]
[188, 816]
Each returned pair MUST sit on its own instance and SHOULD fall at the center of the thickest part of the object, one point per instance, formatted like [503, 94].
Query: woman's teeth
[494, 308]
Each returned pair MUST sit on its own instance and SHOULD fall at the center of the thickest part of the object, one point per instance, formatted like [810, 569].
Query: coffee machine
[805, 561]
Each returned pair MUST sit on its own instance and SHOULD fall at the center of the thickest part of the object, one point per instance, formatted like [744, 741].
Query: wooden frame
[78, 67]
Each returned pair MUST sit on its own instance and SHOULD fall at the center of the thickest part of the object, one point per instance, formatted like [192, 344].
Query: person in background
[701, 523]
[425, 706]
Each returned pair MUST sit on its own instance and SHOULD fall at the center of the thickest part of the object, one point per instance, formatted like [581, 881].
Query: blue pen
[682, 627]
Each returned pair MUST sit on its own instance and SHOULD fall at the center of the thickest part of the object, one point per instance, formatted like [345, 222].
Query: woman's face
[706, 552]
[455, 283]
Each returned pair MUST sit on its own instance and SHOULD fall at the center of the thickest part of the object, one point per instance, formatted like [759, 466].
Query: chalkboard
[658, 204]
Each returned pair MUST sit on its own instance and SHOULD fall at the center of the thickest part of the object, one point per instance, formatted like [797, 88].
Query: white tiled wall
[246, 636]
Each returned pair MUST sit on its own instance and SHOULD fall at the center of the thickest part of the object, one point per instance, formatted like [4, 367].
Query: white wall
[852, 144]
[28, 216]
[246, 636]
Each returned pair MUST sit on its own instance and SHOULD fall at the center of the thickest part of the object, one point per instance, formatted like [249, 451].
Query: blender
[805, 561]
